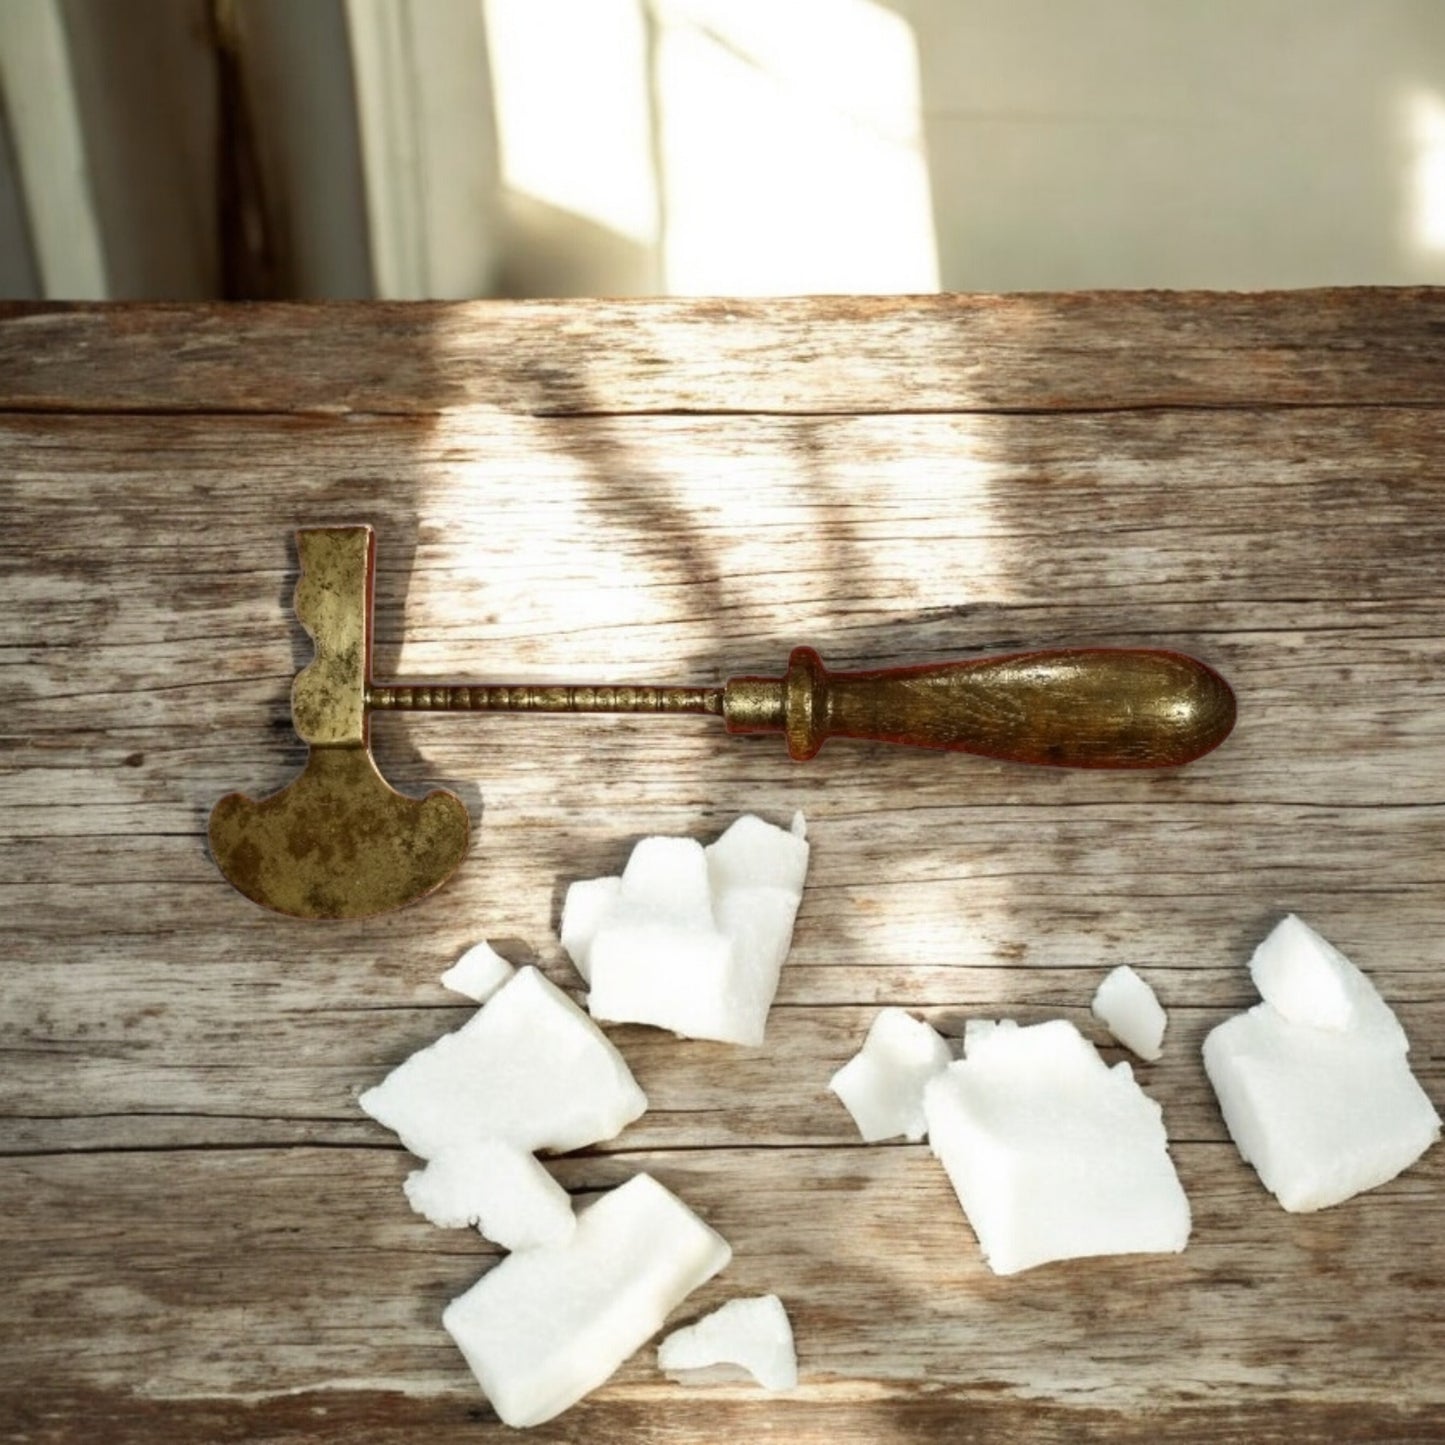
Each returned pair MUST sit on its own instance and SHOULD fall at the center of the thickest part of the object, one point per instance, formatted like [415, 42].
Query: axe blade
[339, 841]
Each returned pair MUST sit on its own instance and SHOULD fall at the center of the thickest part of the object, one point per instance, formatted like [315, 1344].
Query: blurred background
[456, 148]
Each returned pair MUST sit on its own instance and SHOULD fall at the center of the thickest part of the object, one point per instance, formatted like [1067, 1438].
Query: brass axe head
[340, 842]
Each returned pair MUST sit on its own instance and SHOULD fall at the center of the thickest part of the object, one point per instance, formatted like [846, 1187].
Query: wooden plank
[95, 1081]
[1298, 552]
[907, 1412]
[335, 1285]
[196, 1218]
[830, 354]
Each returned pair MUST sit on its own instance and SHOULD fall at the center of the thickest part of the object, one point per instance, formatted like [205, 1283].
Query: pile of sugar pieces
[689, 939]
[1055, 1155]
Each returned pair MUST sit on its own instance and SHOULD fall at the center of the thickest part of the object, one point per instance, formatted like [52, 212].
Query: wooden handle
[1075, 708]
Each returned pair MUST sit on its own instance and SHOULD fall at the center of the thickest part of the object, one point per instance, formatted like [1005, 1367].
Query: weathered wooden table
[202, 1238]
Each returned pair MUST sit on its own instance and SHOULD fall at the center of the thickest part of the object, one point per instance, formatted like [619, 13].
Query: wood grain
[202, 1236]
[1085, 351]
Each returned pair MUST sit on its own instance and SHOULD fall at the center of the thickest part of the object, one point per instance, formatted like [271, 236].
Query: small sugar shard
[1314, 1083]
[529, 1068]
[547, 1326]
[1053, 1154]
[501, 1190]
[754, 1334]
[882, 1085]
[1127, 1007]
[478, 973]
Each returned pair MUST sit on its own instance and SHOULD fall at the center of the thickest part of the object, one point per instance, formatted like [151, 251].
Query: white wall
[1216, 143]
[886, 145]
[729, 146]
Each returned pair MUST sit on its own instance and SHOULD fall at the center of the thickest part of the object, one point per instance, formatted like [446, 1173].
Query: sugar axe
[341, 842]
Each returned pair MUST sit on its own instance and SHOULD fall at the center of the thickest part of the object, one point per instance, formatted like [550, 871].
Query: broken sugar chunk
[1321, 1114]
[978, 1032]
[658, 911]
[666, 879]
[882, 1085]
[1309, 981]
[545, 1327]
[669, 977]
[478, 973]
[752, 852]
[691, 939]
[757, 922]
[754, 1334]
[1314, 1083]
[1053, 1154]
[1126, 1006]
[588, 901]
[502, 1190]
[529, 1067]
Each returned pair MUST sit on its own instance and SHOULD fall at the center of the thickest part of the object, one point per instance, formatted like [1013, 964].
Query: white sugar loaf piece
[758, 925]
[1126, 1006]
[1314, 1083]
[752, 1333]
[501, 1190]
[587, 902]
[1053, 1154]
[660, 905]
[666, 881]
[545, 1327]
[1309, 981]
[882, 1084]
[478, 973]
[1321, 1114]
[978, 1032]
[752, 853]
[675, 980]
[529, 1068]
[691, 939]
[657, 956]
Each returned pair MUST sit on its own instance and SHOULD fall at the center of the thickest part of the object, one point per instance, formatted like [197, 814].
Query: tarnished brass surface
[340, 841]
[1075, 708]
[530, 697]
[754, 705]
[333, 603]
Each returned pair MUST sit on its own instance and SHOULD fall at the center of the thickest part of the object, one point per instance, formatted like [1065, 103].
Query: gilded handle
[1072, 708]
